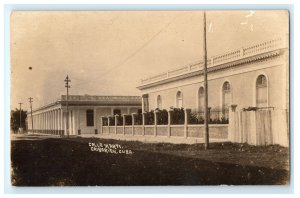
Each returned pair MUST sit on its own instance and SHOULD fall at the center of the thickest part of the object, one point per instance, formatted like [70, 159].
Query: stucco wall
[216, 131]
[105, 130]
[243, 86]
[162, 130]
[149, 130]
[128, 130]
[119, 129]
[138, 130]
[177, 130]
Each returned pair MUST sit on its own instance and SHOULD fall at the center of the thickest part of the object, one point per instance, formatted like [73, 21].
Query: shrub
[128, 120]
[196, 118]
[138, 119]
[149, 118]
[111, 120]
[221, 120]
[162, 117]
[120, 121]
[177, 116]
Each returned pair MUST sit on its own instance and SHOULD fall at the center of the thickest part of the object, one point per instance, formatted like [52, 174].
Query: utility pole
[206, 129]
[20, 115]
[67, 80]
[30, 101]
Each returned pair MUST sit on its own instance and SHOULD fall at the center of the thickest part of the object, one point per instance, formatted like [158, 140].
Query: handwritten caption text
[109, 148]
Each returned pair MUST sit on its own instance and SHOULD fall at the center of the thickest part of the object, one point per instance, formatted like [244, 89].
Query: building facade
[248, 86]
[253, 76]
[81, 113]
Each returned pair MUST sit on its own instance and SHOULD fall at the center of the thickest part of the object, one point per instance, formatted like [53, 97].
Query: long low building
[84, 114]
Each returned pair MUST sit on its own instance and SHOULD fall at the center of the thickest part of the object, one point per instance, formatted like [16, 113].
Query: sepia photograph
[149, 98]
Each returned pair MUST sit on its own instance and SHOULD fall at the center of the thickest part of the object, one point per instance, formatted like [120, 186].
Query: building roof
[94, 100]
[100, 100]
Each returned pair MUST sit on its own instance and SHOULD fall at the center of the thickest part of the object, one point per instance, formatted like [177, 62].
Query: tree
[15, 119]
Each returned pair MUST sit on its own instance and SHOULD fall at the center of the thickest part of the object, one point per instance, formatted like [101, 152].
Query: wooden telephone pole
[206, 114]
[30, 101]
[20, 115]
[67, 80]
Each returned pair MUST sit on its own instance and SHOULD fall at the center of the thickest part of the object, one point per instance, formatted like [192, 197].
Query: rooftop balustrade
[234, 55]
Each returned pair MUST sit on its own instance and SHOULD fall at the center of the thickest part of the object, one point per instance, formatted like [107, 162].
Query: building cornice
[221, 67]
[92, 100]
[247, 55]
[46, 106]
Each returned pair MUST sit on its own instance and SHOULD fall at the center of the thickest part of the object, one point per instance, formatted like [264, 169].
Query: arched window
[90, 117]
[226, 95]
[261, 91]
[179, 99]
[201, 99]
[159, 102]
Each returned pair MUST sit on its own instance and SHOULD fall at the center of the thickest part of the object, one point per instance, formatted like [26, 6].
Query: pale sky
[109, 52]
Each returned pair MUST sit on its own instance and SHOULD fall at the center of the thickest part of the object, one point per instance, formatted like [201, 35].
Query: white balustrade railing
[196, 66]
[233, 55]
[178, 71]
[263, 47]
[225, 57]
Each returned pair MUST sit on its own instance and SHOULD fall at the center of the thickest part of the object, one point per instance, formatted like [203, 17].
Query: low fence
[130, 125]
[216, 131]
[259, 127]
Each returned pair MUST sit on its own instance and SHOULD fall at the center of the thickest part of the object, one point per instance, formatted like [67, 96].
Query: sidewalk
[153, 139]
[145, 138]
[31, 136]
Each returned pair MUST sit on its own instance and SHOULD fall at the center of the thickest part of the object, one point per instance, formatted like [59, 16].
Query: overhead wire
[132, 54]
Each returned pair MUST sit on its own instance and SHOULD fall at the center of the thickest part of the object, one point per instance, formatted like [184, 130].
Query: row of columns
[47, 121]
[115, 124]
